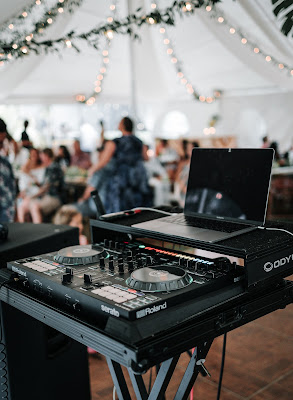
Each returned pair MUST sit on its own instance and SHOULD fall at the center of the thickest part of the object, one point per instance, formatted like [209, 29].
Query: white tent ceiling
[212, 58]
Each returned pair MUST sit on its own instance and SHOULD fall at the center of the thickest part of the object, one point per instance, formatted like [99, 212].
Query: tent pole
[132, 70]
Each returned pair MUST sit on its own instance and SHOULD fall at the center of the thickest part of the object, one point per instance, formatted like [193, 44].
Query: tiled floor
[259, 364]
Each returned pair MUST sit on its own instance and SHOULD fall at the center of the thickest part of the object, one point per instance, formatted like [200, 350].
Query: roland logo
[269, 266]
[151, 310]
[18, 271]
[110, 310]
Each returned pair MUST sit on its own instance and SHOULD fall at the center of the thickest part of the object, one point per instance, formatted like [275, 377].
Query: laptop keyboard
[222, 226]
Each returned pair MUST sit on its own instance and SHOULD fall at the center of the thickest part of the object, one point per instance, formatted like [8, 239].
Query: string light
[109, 34]
[15, 46]
[222, 19]
[175, 61]
[102, 70]
[151, 20]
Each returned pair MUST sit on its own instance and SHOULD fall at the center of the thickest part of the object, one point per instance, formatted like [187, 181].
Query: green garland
[126, 26]
[15, 47]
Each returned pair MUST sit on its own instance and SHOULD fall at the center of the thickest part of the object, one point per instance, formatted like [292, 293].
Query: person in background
[63, 157]
[7, 183]
[30, 178]
[158, 180]
[50, 194]
[181, 178]
[265, 142]
[80, 158]
[128, 184]
[25, 140]
[69, 215]
[168, 157]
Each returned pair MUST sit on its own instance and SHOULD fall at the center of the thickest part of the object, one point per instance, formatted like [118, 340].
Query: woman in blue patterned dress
[126, 183]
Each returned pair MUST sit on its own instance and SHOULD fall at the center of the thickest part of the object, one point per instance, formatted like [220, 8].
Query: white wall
[249, 118]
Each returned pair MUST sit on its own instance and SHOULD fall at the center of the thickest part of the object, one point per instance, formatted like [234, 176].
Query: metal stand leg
[138, 385]
[164, 375]
[194, 367]
[118, 379]
[163, 378]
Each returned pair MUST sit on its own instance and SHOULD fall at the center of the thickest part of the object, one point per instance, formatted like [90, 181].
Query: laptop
[227, 195]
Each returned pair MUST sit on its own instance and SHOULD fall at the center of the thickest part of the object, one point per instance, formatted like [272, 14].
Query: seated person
[69, 215]
[50, 194]
[30, 178]
[63, 157]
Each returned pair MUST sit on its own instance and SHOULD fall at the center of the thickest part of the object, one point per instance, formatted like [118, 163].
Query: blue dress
[128, 186]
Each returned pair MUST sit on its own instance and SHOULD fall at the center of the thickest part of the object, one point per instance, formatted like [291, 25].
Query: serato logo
[158, 273]
[81, 251]
[269, 266]
[110, 310]
[151, 310]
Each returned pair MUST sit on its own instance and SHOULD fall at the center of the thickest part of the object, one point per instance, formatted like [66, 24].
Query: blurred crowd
[55, 184]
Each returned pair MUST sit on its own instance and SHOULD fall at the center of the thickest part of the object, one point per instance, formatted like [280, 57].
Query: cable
[275, 229]
[10, 280]
[222, 366]
[153, 209]
[114, 393]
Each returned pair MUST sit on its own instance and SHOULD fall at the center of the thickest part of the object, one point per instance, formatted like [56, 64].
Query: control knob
[130, 266]
[87, 278]
[111, 265]
[66, 279]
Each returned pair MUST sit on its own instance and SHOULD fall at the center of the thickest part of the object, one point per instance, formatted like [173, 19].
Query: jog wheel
[162, 278]
[80, 255]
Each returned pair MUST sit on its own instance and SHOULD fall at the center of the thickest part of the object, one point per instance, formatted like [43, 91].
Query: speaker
[42, 363]
[25, 240]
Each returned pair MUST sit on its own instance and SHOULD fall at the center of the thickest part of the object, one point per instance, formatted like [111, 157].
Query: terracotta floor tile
[259, 364]
[281, 390]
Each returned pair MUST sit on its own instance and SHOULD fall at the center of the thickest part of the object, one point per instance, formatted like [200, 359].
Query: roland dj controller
[127, 280]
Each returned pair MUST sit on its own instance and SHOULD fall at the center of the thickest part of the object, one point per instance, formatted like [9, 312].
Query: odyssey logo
[268, 267]
[151, 310]
[110, 310]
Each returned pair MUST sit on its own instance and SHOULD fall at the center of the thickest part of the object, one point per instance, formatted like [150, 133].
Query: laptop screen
[230, 184]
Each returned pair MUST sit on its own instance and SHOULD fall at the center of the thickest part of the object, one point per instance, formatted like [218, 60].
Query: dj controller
[127, 280]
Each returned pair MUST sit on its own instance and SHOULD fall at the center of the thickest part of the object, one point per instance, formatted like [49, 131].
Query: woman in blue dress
[126, 183]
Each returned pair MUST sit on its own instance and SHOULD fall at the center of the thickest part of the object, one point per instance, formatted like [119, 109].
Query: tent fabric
[257, 95]
[50, 78]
